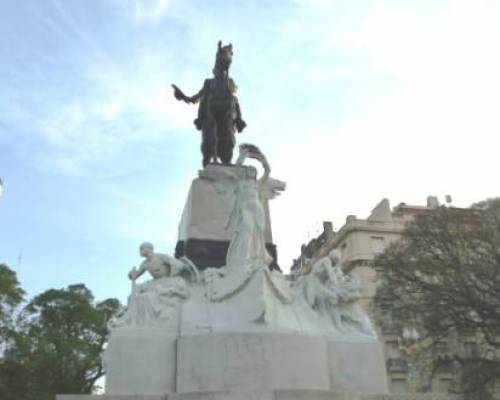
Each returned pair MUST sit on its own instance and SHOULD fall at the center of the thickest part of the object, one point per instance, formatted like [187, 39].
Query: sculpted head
[224, 55]
[146, 249]
[334, 256]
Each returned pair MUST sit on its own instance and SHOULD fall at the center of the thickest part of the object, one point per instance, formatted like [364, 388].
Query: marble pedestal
[270, 395]
[253, 362]
[152, 362]
[242, 331]
[202, 235]
[141, 361]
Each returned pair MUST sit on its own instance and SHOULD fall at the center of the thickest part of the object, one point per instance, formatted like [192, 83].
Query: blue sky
[351, 102]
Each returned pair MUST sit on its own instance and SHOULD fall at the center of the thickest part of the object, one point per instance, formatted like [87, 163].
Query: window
[443, 385]
[342, 251]
[378, 244]
[392, 349]
[471, 349]
[391, 322]
[441, 348]
[399, 385]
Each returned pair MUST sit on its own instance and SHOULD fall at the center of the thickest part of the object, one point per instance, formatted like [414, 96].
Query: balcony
[391, 327]
[397, 365]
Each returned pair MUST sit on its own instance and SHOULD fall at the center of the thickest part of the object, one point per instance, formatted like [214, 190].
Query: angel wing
[272, 188]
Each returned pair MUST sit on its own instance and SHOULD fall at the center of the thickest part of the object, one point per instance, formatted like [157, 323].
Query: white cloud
[145, 10]
[117, 111]
[432, 127]
[417, 86]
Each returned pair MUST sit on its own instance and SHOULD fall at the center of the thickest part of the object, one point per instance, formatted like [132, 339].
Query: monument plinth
[203, 235]
[199, 332]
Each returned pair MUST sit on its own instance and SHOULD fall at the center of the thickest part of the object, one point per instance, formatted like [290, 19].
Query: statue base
[268, 395]
[203, 236]
[255, 362]
[242, 332]
[140, 360]
[148, 363]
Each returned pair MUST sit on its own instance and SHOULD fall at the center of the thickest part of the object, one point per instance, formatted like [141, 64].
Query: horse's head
[224, 57]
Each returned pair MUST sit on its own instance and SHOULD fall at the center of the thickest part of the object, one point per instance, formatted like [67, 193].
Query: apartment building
[360, 241]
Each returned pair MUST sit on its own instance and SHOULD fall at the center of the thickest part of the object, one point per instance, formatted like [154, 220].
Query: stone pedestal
[257, 339]
[203, 236]
[241, 332]
[251, 362]
[140, 361]
[153, 363]
[268, 362]
[270, 395]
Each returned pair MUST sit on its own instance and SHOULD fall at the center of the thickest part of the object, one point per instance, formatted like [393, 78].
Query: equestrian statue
[219, 113]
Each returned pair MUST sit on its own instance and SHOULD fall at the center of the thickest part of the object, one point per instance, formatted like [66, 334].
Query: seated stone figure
[155, 302]
[328, 291]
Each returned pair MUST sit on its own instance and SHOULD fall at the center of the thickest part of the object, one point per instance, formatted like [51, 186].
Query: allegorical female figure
[247, 247]
[247, 222]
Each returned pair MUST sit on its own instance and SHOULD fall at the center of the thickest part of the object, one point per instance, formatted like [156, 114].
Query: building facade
[360, 241]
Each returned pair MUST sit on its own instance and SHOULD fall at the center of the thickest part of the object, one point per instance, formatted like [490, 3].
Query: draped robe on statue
[248, 247]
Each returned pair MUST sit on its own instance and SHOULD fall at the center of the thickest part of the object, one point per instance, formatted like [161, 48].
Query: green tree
[443, 278]
[57, 346]
[11, 296]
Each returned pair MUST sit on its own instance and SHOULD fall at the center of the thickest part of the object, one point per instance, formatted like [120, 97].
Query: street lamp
[410, 334]
[409, 344]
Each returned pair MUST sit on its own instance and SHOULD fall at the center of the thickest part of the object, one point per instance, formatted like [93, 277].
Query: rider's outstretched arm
[195, 98]
[179, 95]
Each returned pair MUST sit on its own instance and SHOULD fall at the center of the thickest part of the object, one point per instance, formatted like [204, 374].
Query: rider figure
[219, 112]
[213, 85]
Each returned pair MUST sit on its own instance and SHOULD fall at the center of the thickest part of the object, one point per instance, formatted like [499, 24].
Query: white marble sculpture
[247, 251]
[328, 291]
[155, 302]
[247, 248]
[247, 225]
[241, 327]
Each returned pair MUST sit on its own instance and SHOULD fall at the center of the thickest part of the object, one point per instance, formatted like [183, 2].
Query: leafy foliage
[443, 277]
[11, 296]
[57, 345]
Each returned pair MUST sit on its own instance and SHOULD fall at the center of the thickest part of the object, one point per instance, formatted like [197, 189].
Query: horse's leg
[208, 141]
[205, 147]
[215, 144]
[226, 138]
[218, 119]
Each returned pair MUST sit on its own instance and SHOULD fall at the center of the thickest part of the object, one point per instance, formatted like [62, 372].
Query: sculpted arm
[179, 95]
[136, 273]
[176, 266]
[267, 170]
[251, 151]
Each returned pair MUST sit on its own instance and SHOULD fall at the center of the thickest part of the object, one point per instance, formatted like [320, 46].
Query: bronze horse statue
[219, 113]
